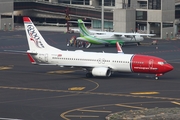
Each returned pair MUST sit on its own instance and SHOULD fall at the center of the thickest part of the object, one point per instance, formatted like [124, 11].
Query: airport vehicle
[108, 38]
[95, 63]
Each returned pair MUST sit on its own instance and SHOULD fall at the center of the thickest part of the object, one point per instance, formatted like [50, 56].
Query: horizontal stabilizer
[15, 51]
[31, 58]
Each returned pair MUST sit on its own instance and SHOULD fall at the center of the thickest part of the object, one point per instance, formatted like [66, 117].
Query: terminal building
[160, 17]
[6, 21]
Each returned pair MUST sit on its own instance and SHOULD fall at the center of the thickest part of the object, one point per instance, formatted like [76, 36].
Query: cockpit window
[161, 63]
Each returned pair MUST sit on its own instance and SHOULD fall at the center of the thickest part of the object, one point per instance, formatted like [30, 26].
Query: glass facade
[107, 2]
[154, 4]
[78, 2]
[107, 25]
[141, 15]
[165, 25]
[142, 4]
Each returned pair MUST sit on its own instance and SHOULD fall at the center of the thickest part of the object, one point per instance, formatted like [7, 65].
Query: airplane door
[151, 62]
[46, 57]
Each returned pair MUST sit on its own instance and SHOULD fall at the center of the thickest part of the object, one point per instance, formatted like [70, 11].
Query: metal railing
[74, 10]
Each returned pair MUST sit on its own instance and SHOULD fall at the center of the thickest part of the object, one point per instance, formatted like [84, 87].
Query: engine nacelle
[101, 71]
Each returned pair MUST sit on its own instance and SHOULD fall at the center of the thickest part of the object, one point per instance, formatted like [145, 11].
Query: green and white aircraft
[107, 38]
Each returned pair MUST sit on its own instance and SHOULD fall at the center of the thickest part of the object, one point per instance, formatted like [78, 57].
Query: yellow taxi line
[177, 103]
[128, 106]
[94, 111]
[144, 93]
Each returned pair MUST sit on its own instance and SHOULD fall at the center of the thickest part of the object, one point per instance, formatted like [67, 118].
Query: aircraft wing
[90, 30]
[132, 34]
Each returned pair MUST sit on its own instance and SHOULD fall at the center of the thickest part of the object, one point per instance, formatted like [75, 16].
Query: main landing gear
[106, 45]
[138, 43]
[89, 75]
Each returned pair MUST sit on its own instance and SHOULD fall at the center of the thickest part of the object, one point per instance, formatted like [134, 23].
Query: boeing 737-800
[95, 63]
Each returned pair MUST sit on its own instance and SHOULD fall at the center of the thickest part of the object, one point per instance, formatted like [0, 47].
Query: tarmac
[30, 92]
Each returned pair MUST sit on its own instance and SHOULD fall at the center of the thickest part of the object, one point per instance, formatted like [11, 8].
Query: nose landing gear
[157, 76]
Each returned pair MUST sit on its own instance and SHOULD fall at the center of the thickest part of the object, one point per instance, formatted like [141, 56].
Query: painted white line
[82, 116]
[9, 119]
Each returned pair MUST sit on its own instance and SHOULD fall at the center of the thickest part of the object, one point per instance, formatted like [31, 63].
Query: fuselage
[117, 62]
[110, 38]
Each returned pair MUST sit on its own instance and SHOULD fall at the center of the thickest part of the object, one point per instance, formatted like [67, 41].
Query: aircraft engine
[101, 71]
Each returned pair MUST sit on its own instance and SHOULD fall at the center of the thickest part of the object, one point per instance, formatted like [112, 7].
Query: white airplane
[107, 38]
[95, 63]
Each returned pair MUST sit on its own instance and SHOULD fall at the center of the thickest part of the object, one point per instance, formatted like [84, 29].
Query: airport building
[6, 21]
[145, 16]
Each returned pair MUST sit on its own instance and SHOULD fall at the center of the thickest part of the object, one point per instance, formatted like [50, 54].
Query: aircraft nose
[168, 67]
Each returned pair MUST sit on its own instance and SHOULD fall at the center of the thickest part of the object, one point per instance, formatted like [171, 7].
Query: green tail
[83, 30]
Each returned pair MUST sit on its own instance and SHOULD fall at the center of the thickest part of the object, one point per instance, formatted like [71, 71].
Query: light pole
[102, 16]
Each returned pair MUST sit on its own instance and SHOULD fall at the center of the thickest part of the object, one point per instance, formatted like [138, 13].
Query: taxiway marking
[90, 93]
[144, 93]
[81, 116]
[9, 119]
[128, 106]
[177, 103]
[94, 111]
[5, 67]
[76, 88]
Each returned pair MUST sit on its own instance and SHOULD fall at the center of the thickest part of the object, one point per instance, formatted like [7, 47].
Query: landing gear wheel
[88, 45]
[106, 45]
[156, 78]
[89, 75]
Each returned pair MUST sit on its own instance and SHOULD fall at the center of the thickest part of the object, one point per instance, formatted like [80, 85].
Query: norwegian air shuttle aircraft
[95, 63]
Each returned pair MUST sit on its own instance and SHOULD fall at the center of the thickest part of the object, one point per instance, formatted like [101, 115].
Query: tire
[89, 75]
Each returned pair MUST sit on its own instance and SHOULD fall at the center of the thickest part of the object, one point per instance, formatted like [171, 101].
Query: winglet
[119, 49]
